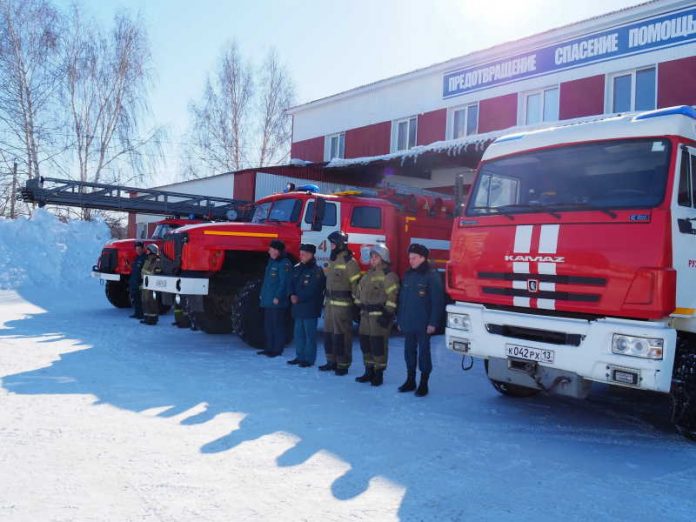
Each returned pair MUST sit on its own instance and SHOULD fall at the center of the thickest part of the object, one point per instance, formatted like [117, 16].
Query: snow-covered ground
[102, 418]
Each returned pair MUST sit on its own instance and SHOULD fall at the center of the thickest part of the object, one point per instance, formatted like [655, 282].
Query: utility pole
[13, 195]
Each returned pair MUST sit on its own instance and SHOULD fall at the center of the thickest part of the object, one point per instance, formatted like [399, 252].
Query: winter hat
[278, 245]
[417, 248]
[306, 247]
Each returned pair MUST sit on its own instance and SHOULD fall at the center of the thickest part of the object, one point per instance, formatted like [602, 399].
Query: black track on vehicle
[247, 314]
[117, 294]
[511, 390]
[684, 387]
[217, 315]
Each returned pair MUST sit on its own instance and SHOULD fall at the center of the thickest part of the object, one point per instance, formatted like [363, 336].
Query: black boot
[422, 390]
[367, 376]
[328, 367]
[341, 371]
[410, 383]
[378, 378]
[294, 361]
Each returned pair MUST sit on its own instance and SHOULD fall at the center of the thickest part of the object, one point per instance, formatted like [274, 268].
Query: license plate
[529, 354]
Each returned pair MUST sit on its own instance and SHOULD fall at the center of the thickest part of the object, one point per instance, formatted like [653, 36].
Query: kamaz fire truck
[114, 264]
[215, 270]
[575, 260]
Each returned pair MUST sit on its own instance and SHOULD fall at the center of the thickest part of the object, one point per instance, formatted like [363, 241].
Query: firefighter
[421, 304]
[376, 296]
[342, 275]
[275, 298]
[307, 286]
[152, 266]
[135, 281]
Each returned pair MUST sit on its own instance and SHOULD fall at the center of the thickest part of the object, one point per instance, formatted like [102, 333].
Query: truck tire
[683, 390]
[117, 294]
[511, 390]
[247, 315]
[216, 317]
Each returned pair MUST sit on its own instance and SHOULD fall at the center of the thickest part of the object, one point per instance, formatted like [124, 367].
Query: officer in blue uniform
[136, 279]
[421, 305]
[275, 298]
[307, 285]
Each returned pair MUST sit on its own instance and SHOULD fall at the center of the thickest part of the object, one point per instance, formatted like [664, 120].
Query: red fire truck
[215, 270]
[575, 260]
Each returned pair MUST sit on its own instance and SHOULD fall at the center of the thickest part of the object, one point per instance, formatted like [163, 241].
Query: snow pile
[42, 251]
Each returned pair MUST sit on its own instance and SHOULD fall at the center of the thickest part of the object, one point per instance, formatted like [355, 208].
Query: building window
[632, 91]
[404, 134]
[539, 106]
[464, 121]
[335, 146]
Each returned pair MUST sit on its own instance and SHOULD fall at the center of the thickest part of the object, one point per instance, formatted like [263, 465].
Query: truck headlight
[459, 322]
[644, 347]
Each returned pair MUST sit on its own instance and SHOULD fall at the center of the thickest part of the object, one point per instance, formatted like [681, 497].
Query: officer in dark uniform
[135, 280]
[376, 296]
[421, 305]
[152, 266]
[342, 275]
[307, 285]
[275, 298]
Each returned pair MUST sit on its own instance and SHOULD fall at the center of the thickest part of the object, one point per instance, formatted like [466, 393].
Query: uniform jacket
[421, 300]
[342, 276]
[308, 283]
[379, 287]
[276, 283]
[152, 265]
[136, 271]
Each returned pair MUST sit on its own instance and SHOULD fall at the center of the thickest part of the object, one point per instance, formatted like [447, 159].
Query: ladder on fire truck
[100, 196]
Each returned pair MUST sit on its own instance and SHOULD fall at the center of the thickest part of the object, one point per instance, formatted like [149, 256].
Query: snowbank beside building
[42, 251]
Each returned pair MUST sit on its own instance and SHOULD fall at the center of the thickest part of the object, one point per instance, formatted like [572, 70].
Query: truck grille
[108, 260]
[532, 334]
[571, 280]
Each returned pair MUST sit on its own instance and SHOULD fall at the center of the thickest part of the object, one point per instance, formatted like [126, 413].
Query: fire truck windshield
[280, 210]
[600, 175]
[162, 230]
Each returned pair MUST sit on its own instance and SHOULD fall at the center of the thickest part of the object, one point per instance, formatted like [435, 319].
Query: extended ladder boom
[100, 196]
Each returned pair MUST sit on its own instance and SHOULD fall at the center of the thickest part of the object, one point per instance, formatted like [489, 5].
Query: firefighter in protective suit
[377, 297]
[342, 275]
[153, 265]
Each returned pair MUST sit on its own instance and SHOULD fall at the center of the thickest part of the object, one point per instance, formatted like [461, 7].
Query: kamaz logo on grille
[532, 286]
[517, 258]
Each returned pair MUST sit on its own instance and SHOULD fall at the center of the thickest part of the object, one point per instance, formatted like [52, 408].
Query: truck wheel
[511, 390]
[247, 315]
[684, 389]
[117, 294]
[216, 317]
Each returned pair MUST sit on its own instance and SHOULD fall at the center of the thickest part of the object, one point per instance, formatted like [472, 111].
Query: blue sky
[328, 46]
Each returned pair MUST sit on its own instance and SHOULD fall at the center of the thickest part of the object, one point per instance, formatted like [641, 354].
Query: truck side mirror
[319, 211]
[685, 226]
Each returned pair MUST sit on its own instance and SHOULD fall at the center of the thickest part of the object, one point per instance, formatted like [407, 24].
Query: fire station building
[425, 126]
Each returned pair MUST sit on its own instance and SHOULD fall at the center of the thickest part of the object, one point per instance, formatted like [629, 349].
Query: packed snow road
[106, 419]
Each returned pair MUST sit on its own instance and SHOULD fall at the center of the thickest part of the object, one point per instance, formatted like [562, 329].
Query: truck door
[684, 231]
[330, 223]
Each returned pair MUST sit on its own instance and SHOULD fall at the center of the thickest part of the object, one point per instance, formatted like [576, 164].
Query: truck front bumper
[106, 277]
[579, 348]
[176, 285]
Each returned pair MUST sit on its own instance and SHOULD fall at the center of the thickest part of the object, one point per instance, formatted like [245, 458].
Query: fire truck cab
[575, 260]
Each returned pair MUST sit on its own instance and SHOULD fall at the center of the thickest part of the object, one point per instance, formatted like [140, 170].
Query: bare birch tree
[276, 94]
[106, 83]
[29, 81]
[240, 120]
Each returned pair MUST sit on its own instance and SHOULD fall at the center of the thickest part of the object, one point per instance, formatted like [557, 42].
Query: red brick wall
[676, 82]
[584, 97]
[370, 140]
[431, 127]
[308, 150]
[497, 113]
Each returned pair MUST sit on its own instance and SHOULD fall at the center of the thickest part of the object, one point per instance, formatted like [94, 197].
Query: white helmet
[153, 249]
[382, 251]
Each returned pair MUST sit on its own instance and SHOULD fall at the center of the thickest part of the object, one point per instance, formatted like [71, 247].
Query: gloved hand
[385, 320]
